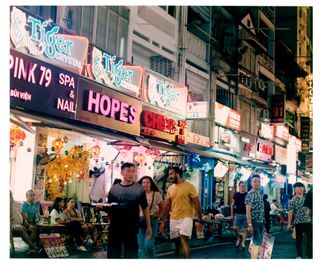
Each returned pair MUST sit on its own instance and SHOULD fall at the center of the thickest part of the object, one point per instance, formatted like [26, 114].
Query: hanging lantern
[139, 158]
[57, 144]
[17, 135]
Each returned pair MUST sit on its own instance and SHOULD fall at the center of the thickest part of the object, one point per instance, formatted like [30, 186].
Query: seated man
[274, 213]
[31, 209]
[21, 228]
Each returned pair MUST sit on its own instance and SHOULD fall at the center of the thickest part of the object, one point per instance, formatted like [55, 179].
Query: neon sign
[166, 94]
[110, 70]
[160, 126]
[110, 107]
[42, 38]
[105, 107]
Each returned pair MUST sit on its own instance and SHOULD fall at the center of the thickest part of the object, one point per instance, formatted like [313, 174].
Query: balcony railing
[269, 11]
[196, 46]
[266, 61]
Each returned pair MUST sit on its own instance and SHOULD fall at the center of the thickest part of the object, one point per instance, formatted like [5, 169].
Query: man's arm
[248, 214]
[290, 214]
[197, 205]
[232, 205]
[166, 209]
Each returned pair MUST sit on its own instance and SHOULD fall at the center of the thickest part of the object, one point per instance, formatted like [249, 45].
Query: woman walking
[155, 204]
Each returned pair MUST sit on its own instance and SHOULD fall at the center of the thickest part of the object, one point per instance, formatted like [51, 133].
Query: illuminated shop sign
[227, 117]
[247, 146]
[42, 39]
[164, 93]
[160, 126]
[104, 107]
[265, 150]
[111, 70]
[41, 87]
[226, 140]
[198, 139]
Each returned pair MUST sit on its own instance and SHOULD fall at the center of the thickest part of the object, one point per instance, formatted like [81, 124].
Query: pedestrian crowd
[144, 213]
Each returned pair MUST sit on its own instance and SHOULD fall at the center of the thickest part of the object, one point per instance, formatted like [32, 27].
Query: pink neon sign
[111, 107]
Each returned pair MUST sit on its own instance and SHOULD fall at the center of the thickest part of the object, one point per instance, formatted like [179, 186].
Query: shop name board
[197, 110]
[159, 122]
[265, 150]
[104, 107]
[305, 132]
[110, 107]
[278, 109]
[111, 70]
[40, 87]
[227, 117]
[165, 94]
[198, 139]
[160, 126]
[266, 131]
[42, 38]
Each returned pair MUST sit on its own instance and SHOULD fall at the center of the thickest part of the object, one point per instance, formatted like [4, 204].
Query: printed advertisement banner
[105, 107]
[278, 109]
[40, 87]
[282, 132]
[164, 93]
[227, 117]
[47, 41]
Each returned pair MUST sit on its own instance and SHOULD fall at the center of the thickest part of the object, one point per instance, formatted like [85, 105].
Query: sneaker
[82, 248]
[237, 244]
[31, 252]
[243, 246]
[298, 258]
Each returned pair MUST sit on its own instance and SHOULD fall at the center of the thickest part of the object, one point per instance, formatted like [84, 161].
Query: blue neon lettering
[34, 23]
[50, 49]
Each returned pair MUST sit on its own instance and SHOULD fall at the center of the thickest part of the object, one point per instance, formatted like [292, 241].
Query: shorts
[181, 227]
[258, 230]
[240, 220]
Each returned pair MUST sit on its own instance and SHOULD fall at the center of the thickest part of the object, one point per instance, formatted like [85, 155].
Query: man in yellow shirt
[182, 199]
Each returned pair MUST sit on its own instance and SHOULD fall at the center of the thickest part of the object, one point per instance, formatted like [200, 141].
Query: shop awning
[76, 126]
[261, 165]
[216, 155]
[162, 146]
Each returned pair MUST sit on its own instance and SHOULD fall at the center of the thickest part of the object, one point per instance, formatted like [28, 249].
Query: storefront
[70, 133]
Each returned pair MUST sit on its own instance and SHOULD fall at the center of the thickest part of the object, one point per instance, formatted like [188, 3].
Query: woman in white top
[155, 203]
[58, 216]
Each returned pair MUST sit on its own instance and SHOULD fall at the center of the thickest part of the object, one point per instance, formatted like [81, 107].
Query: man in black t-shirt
[238, 214]
[124, 220]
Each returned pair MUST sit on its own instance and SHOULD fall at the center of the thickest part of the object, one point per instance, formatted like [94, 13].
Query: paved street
[284, 248]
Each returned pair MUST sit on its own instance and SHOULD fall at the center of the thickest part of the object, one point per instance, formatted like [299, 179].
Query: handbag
[143, 223]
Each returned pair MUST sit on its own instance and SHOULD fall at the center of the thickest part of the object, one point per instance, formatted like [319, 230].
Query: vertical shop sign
[278, 109]
[305, 133]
